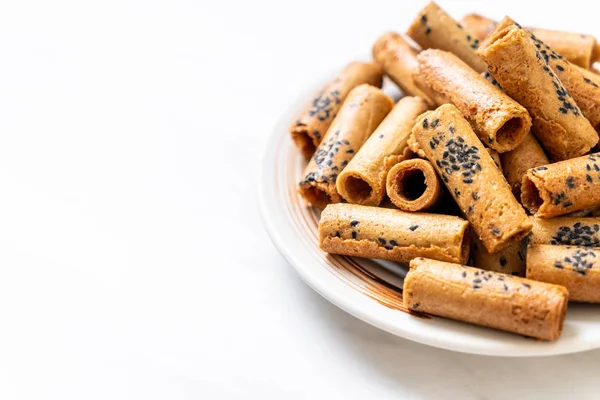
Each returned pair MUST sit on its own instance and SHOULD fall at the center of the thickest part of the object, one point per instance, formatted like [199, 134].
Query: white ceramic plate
[371, 290]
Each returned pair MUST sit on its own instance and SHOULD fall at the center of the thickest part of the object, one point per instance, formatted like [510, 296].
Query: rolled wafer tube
[363, 179]
[499, 121]
[472, 178]
[557, 120]
[398, 60]
[434, 28]
[478, 25]
[486, 298]
[576, 268]
[413, 185]
[563, 187]
[395, 235]
[312, 124]
[488, 77]
[590, 75]
[362, 111]
[585, 92]
[496, 157]
[567, 231]
[577, 48]
[510, 260]
[515, 163]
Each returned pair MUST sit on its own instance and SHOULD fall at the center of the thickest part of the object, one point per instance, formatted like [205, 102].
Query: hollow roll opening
[531, 196]
[411, 184]
[511, 131]
[358, 191]
[304, 142]
[316, 196]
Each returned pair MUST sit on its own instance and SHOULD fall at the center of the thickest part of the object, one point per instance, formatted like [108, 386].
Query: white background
[133, 264]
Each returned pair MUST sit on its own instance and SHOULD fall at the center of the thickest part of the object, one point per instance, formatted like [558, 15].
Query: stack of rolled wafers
[483, 177]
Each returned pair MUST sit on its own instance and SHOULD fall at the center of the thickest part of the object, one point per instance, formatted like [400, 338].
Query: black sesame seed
[464, 274]
[414, 227]
[435, 123]
[527, 285]
[506, 287]
[496, 231]
[382, 241]
[393, 242]
[354, 234]
[353, 223]
[427, 30]
[425, 123]
[560, 68]
[588, 178]
[423, 19]
[350, 151]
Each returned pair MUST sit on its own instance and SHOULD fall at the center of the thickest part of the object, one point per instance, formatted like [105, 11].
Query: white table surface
[133, 264]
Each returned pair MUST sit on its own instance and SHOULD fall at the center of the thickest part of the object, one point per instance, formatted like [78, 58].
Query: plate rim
[361, 307]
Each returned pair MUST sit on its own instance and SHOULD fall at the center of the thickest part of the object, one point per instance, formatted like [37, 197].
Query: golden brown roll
[568, 231]
[563, 187]
[495, 156]
[395, 235]
[575, 267]
[478, 25]
[577, 48]
[488, 77]
[433, 28]
[585, 92]
[557, 120]
[398, 60]
[363, 179]
[500, 301]
[515, 163]
[472, 178]
[312, 124]
[413, 185]
[509, 261]
[499, 121]
[591, 76]
[362, 111]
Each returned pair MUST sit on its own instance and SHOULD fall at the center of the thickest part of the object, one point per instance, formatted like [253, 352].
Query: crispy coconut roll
[395, 235]
[471, 176]
[575, 267]
[515, 163]
[557, 120]
[363, 179]
[577, 48]
[434, 29]
[312, 124]
[495, 156]
[363, 110]
[509, 261]
[499, 121]
[563, 187]
[585, 92]
[478, 25]
[567, 231]
[413, 185]
[486, 298]
[398, 60]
